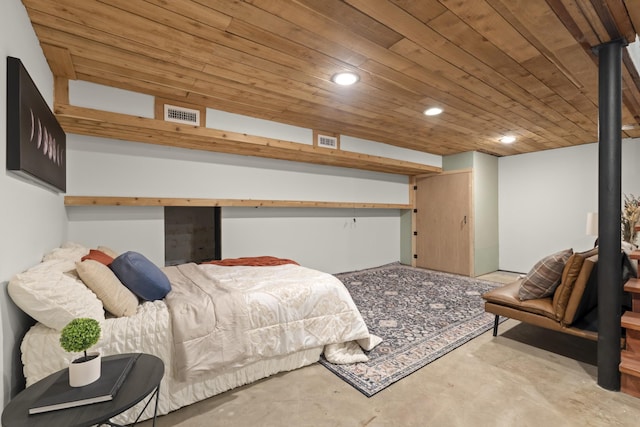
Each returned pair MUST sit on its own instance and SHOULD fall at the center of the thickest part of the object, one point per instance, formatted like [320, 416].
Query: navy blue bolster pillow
[141, 276]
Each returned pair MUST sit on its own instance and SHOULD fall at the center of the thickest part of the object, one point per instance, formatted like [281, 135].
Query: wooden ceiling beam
[59, 60]
[615, 16]
[85, 121]
[633, 9]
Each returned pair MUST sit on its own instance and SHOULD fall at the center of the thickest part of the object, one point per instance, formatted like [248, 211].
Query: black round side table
[143, 380]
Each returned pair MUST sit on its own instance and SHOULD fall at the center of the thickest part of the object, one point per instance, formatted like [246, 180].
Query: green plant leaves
[80, 334]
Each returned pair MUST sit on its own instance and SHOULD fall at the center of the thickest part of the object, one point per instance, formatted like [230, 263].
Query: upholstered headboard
[15, 323]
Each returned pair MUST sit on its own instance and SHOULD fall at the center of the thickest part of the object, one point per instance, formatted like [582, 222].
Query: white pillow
[69, 251]
[60, 265]
[52, 297]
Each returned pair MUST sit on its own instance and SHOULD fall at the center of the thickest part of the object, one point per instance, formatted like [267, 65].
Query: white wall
[332, 240]
[223, 120]
[634, 52]
[358, 145]
[106, 167]
[544, 199]
[485, 200]
[33, 218]
[326, 239]
[121, 228]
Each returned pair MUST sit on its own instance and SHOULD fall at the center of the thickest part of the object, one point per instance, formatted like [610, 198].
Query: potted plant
[79, 335]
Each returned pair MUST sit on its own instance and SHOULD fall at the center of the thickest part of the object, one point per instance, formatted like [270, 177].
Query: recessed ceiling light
[508, 139]
[433, 111]
[345, 79]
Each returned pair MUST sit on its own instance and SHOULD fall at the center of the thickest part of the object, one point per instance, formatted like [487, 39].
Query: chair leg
[495, 326]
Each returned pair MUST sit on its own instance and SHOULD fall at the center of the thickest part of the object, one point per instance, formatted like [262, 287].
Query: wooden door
[444, 223]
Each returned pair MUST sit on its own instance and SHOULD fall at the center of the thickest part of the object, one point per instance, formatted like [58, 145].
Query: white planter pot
[83, 373]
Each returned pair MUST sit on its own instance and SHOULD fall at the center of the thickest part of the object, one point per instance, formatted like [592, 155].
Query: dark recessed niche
[191, 234]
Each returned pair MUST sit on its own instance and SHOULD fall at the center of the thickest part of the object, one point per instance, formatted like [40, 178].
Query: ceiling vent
[326, 141]
[187, 116]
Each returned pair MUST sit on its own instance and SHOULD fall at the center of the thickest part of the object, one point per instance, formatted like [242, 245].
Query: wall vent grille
[327, 141]
[188, 116]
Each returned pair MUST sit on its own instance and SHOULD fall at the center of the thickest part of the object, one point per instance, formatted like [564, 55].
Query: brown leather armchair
[563, 311]
[572, 309]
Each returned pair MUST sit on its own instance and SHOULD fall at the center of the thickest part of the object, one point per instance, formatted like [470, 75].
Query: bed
[219, 327]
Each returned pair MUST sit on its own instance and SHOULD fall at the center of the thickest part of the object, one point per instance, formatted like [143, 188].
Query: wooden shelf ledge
[164, 201]
[86, 121]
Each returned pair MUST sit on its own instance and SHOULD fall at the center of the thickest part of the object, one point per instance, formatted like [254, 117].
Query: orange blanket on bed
[258, 261]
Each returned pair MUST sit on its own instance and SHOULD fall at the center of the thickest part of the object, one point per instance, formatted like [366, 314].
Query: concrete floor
[526, 376]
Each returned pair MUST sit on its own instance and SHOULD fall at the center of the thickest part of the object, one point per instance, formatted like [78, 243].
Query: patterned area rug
[420, 314]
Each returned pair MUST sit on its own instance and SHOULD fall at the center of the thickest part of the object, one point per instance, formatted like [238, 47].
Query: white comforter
[228, 317]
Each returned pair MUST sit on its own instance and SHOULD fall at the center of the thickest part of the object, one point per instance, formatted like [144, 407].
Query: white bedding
[229, 317]
[279, 340]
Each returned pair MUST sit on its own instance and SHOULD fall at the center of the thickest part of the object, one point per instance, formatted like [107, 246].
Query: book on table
[60, 395]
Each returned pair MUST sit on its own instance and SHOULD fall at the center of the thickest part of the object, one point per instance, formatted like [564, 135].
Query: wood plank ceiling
[519, 67]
